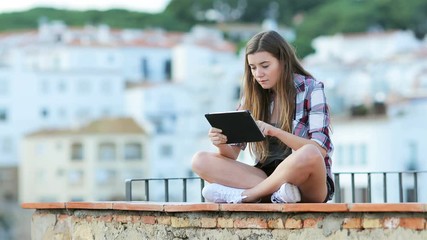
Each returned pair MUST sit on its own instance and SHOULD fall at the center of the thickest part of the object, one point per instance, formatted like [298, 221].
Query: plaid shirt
[312, 118]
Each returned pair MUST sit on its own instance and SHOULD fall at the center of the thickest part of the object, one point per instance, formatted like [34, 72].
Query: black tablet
[239, 126]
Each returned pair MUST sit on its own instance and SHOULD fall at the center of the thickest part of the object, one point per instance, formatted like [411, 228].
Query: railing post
[353, 190]
[338, 198]
[369, 188]
[147, 189]
[166, 189]
[337, 188]
[416, 186]
[184, 190]
[202, 185]
[400, 188]
[128, 189]
[385, 187]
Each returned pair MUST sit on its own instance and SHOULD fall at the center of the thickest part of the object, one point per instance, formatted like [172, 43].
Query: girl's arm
[314, 127]
[292, 141]
[229, 151]
[220, 141]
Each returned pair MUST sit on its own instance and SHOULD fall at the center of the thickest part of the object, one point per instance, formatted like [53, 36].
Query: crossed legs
[304, 168]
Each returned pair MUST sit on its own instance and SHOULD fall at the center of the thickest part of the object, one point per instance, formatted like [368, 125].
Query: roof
[124, 125]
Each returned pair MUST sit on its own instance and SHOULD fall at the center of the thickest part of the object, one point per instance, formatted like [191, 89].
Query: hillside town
[83, 109]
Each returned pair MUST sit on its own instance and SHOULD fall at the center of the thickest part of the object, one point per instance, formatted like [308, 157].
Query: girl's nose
[258, 72]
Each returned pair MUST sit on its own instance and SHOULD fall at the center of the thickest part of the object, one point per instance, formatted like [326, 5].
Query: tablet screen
[239, 126]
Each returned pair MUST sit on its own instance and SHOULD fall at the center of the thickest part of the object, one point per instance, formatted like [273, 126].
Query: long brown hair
[257, 100]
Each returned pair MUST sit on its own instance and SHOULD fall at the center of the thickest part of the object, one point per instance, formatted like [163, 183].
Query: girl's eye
[266, 66]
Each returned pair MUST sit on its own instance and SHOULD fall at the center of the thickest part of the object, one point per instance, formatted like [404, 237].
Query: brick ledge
[213, 207]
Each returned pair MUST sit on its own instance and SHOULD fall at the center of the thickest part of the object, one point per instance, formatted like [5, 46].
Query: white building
[205, 78]
[387, 143]
[360, 69]
[84, 164]
[376, 86]
[60, 77]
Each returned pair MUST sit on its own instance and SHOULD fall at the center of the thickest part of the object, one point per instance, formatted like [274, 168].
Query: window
[3, 115]
[166, 151]
[44, 113]
[168, 69]
[6, 145]
[144, 69]
[77, 152]
[164, 124]
[133, 151]
[75, 177]
[62, 86]
[105, 176]
[107, 152]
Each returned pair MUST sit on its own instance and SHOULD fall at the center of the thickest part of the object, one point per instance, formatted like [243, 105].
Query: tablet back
[238, 126]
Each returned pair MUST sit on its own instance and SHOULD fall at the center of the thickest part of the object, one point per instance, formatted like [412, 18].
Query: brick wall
[142, 220]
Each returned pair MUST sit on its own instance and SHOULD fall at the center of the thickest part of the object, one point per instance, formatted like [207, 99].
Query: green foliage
[319, 17]
[346, 16]
[116, 18]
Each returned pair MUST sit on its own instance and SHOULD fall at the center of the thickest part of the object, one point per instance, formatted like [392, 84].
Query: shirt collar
[299, 82]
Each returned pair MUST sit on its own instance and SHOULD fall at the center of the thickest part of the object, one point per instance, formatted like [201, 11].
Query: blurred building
[8, 183]
[360, 70]
[84, 164]
[376, 86]
[64, 78]
[206, 73]
[59, 76]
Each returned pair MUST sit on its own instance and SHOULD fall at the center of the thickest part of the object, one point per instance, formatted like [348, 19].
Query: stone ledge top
[243, 207]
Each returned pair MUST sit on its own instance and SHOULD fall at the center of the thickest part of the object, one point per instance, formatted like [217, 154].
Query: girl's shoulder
[303, 82]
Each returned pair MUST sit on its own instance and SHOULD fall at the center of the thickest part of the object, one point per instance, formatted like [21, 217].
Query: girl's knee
[310, 155]
[200, 160]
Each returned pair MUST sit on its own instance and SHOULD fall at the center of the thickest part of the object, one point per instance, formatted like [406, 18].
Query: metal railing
[147, 188]
[380, 187]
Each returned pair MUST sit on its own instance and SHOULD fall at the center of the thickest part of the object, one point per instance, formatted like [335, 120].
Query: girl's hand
[265, 128]
[216, 136]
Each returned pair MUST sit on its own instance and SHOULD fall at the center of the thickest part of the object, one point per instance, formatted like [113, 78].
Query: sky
[152, 6]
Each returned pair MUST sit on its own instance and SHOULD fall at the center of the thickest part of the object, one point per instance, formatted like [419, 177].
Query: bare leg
[304, 168]
[216, 168]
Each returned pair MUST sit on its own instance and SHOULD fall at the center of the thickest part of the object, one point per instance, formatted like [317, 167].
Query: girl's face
[265, 68]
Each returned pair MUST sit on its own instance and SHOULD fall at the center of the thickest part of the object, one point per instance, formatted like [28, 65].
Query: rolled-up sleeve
[319, 119]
